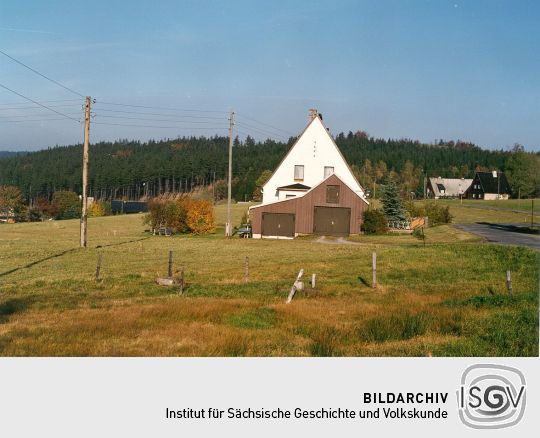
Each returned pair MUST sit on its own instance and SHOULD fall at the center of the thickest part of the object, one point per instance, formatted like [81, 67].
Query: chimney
[313, 113]
[494, 173]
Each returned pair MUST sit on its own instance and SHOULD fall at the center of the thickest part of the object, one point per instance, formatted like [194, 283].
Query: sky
[425, 70]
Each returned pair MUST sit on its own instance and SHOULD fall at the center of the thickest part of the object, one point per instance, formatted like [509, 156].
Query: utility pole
[84, 215]
[228, 228]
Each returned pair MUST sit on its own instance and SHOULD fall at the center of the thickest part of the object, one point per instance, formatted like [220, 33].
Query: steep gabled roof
[319, 118]
[492, 184]
[451, 186]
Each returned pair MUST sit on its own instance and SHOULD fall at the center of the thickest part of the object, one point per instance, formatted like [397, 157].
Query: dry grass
[445, 299]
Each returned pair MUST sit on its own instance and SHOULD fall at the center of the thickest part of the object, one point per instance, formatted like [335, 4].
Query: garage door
[332, 221]
[278, 224]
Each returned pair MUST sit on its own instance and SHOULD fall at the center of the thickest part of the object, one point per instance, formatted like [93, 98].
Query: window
[290, 196]
[332, 194]
[299, 173]
[328, 170]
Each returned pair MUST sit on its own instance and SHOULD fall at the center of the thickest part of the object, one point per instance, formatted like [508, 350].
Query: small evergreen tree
[393, 207]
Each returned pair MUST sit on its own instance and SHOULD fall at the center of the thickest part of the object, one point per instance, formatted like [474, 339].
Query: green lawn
[447, 299]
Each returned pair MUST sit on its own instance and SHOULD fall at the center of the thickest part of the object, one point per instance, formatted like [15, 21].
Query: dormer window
[328, 170]
[299, 173]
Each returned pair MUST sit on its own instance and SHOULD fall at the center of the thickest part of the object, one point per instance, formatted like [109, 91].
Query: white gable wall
[315, 149]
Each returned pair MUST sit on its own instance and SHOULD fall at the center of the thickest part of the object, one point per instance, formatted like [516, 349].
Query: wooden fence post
[98, 266]
[374, 269]
[170, 265]
[246, 270]
[181, 281]
[509, 281]
[313, 278]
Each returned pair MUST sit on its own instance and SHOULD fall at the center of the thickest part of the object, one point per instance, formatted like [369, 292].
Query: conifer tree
[393, 207]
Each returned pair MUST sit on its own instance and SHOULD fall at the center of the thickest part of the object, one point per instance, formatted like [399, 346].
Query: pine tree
[393, 208]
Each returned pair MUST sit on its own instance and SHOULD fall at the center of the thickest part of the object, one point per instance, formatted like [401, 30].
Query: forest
[131, 169]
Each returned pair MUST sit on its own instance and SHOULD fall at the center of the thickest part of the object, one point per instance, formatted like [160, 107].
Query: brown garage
[278, 225]
[330, 208]
[332, 221]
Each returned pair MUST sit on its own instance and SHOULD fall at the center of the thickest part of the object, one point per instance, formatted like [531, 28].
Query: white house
[310, 160]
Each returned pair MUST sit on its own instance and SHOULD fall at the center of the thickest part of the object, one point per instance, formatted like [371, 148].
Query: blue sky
[417, 69]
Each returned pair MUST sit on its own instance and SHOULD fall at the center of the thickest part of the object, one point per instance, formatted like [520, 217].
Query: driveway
[506, 234]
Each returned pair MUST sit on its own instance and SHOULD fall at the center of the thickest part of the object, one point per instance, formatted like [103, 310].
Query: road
[506, 234]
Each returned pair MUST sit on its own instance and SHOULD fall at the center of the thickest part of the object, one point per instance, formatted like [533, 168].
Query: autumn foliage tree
[200, 217]
[11, 200]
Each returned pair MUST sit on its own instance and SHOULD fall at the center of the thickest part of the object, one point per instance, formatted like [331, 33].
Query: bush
[374, 222]
[437, 214]
[67, 205]
[200, 217]
[183, 215]
[99, 208]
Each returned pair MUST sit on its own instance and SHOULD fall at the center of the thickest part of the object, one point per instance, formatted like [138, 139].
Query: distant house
[489, 185]
[313, 190]
[447, 187]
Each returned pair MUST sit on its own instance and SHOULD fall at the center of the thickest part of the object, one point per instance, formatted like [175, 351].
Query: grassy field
[506, 211]
[445, 299]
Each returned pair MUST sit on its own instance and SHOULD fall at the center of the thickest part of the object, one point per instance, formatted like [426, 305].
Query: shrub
[374, 222]
[200, 217]
[183, 215]
[437, 214]
[66, 204]
[99, 208]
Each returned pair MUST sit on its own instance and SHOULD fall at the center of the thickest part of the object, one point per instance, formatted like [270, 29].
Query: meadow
[447, 298]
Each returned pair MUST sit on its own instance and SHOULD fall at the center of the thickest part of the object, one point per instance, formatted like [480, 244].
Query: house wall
[315, 149]
[284, 193]
[494, 196]
[303, 208]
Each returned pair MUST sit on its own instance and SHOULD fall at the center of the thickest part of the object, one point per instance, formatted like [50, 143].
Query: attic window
[328, 170]
[332, 194]
[298, 173]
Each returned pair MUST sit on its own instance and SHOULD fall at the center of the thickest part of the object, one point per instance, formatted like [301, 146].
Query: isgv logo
[491, 396]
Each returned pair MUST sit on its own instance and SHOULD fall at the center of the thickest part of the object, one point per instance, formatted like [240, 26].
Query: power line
[41, 74]
[160, 114]
[156, 120]
[31, 120]
[162, 108]
[40, 104]
[42, 101]
[160, 127]
[260, 130]
[33, 107]
[266, 124]
[18, 116]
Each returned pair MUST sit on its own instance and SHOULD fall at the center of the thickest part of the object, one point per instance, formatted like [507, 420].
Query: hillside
[131, 168]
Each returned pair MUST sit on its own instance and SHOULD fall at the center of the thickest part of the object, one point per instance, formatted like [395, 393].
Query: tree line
[131, 169]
